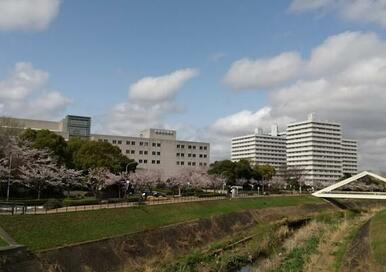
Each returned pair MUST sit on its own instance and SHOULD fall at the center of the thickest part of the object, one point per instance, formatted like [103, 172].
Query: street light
[130, 163]
[9, 176]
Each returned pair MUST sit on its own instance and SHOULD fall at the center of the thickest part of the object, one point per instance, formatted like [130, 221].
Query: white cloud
[367, 11]
[24, 94]
[162, 88]
[306, 5]
[263, 73]
[151, 99]
[343, 80]
[27, 14]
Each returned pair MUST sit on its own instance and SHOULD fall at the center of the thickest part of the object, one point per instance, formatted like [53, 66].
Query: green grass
[378, 237]
[40, 232]
[298, 257]
[3, 243]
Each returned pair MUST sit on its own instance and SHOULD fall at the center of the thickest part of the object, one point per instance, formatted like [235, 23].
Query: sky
[209, 69]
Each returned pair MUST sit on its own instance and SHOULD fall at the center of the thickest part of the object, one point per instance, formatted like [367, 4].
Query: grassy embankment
[40, 232]
[378, 237]
[2, 243]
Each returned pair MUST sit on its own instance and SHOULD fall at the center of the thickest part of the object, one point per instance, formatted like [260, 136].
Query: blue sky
[93, 51]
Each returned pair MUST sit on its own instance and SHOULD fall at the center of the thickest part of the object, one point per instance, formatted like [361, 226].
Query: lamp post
[127, 165]
[9, 176]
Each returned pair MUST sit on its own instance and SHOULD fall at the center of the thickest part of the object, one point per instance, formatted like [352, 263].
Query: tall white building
[261, 148]
[317, 149]
[350, 156]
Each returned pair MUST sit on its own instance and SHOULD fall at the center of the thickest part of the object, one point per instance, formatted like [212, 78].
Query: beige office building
[159, 149]
[153, 149]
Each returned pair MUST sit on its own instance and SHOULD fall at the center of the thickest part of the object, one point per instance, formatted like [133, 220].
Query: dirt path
[358, 256]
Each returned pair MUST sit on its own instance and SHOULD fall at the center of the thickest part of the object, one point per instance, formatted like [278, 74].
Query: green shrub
[53, 204]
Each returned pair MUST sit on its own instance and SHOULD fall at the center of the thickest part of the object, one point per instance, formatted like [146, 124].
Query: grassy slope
[47, 231]
[2, 243]
[378, 237]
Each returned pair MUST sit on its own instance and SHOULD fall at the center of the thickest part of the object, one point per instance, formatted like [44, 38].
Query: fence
[14, 208]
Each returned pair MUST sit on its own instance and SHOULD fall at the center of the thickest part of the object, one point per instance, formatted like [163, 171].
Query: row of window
[143, 152]
[119, 142]
[182, 163]
[192, 155]
[152, 162]
[192, 147]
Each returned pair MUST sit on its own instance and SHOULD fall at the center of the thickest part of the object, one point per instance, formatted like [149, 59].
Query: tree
[69, 178]
[97, 179]
[45, 139]
[39, 171]
[145, 179]
[92, 154]
[225, 169]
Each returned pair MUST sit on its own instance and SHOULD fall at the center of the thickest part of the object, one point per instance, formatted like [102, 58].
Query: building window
[132, 152]
[106, 141]
[153, 153]
[189, 163]
[200, 155]
[114, 141]
[145, 152]
[193, 163]
[158, 162]
[144, 161]
[182, 146]
[182, 155]
[182, 163]
[128, 142]
[200, 147]
[158, 153]
[127, 151]
[146, 144]
[178, 146]
[189, 155]
[140, 152]
[205, 147]
[205, 156]
[153, 162]
[178, 154]
[200, 163]
[140, 143]
[194, 155]
[178, 163]
[159, 144]
[153, 144]
[132, 143]
[140, 161]
[204, 163]
[189, 147]
[194, 147]
[100, 140]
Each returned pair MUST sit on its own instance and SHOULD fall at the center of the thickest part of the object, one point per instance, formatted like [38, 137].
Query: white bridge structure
[329, 193]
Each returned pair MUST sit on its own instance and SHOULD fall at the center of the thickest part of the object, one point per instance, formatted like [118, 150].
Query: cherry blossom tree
[39, 171]
[69, 178]
[145, 179]
[97, 179]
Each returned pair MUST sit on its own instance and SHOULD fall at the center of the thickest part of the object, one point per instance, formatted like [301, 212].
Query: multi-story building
[261, 148]
[311, 149]
[317, 149]
[350, 156]
[159, 149]
[152, 149]
[70, 126]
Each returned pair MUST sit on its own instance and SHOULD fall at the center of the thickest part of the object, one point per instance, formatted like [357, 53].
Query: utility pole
[9, 176]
